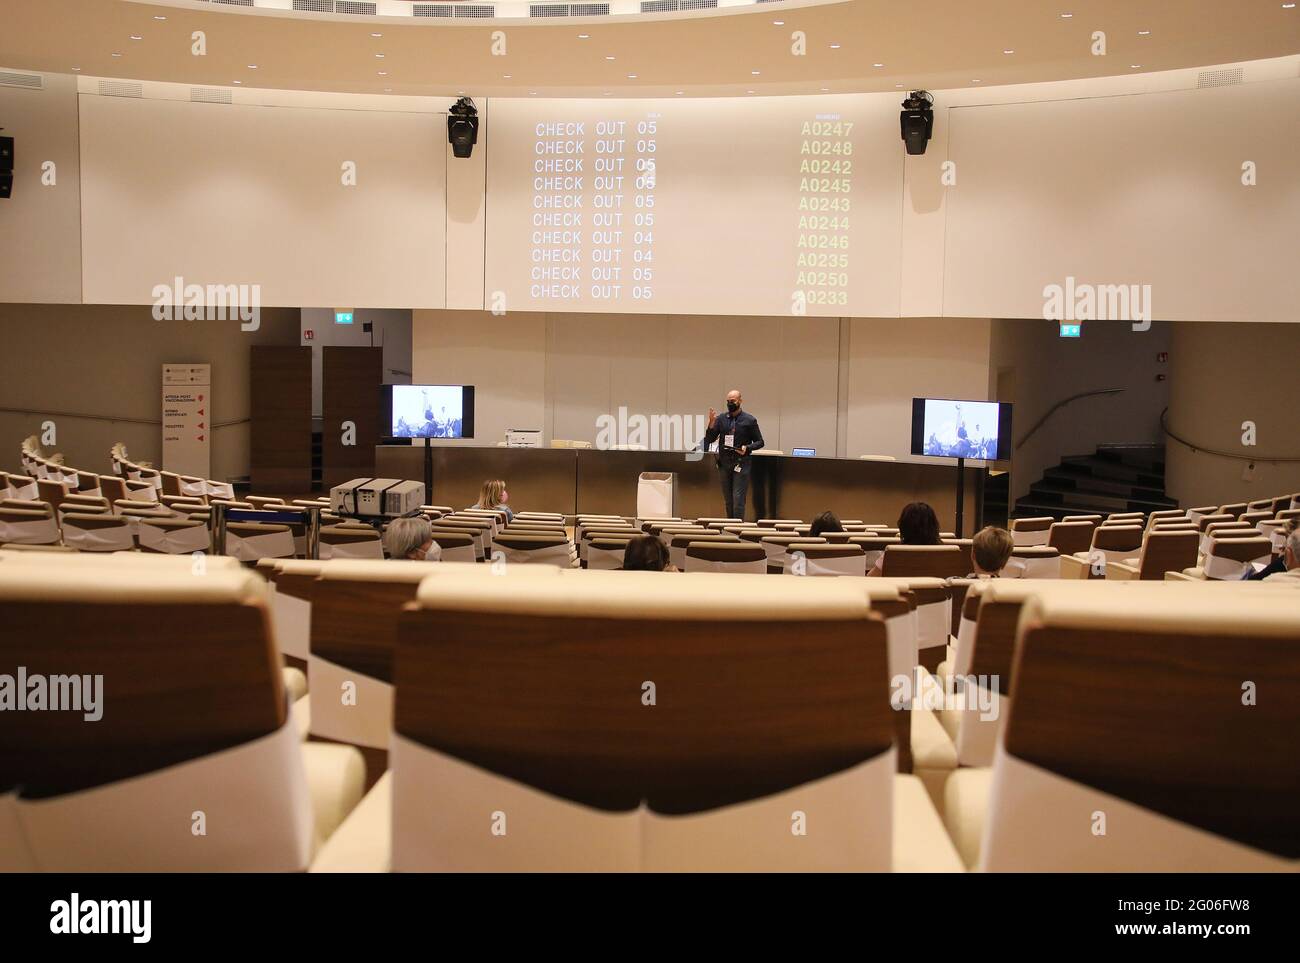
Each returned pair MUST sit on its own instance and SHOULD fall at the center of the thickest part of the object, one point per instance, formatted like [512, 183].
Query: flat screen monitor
[947, 428]
[427, 411]
[804, 452]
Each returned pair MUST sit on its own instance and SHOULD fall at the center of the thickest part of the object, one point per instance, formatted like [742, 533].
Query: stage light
[917, 121]
[462, 127]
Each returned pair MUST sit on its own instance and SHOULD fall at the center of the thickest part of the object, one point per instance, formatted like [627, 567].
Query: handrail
[1164, 426]
[129, 421]
[1061, 404]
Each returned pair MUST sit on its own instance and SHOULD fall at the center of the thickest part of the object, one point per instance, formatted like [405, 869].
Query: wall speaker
[6, 167]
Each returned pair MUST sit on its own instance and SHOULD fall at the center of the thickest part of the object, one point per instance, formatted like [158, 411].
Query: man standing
[738, 438]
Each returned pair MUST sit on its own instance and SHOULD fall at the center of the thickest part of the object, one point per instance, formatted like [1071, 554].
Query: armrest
[295, 683]
[302, 716]
[336, 779]
[1186, 575]
[920, 844]
[966, 800]
[363, 844]
[1121, 571]
[1073, 566]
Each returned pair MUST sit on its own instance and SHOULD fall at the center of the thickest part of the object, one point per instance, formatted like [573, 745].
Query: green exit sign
[1071, 331]
[342, 317]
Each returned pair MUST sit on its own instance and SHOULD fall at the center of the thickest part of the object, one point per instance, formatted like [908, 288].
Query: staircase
[1116, 478]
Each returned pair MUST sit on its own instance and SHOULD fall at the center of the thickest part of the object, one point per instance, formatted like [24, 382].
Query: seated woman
[917, 525]
[990, 550]
[411, 539]
[493, 496]
[825, 522]
[646, 554]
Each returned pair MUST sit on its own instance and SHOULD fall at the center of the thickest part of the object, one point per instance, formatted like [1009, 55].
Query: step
[1093, 467]
[1144, 457]
[1085, 505]
[1055, 479]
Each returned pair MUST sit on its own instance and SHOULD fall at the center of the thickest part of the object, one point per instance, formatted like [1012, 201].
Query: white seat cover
[370, 548]
[118, 538]
[368, 722]
[267, 545]
[38, 531]
[180, 541]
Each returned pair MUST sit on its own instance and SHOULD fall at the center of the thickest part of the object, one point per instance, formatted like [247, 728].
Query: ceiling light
[115, 54]
[1144, 33]
[631, 76]
[825, 89]
[608, 57]
[1066, 16]
[1135, 66]
[135, 36]
[1288, 6]
[584, 36]
[383, 73]
[252, 66]
[380, 56]
[778, 23]
[239, 81]
[898, 85]
[680, 92]
[75, 69]
[532, 93]
[749, 91]
[835, 46]
[753, 73]
[388, 90]
[376, 35]
[607, 93]
[1008, 52]
[977, 81]
[160, 18]
[506, 76]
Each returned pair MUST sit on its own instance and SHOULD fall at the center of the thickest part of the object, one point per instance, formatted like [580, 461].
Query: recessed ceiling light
[825, 89]
[778, 23]
[753, 73]
[159, 18]
[388, 90]
[607, 93]
[383, 73]
[835, 46]
[75, 69]
[680, 92]
[252, 66]
[877, 65]
[115, 54]
[136, 36]
[506, 76]
[977, 81]
[749, 91]
[608, 57]
[239, 81]
[1144, 33]
[376, 35]
[584, 36]
[631, 76]
[1288, 6]
[1066, 16]
[898, 85]
[460, 93]
[1134, 66]
[1008, 51]
[532, 93]
[380, 56]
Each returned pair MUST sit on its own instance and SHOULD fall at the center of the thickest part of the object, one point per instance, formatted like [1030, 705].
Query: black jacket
[744, 426]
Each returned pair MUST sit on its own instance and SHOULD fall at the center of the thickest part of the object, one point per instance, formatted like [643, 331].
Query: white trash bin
[656, 494]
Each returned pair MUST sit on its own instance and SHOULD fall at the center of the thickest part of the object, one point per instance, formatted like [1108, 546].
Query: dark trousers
[735, 486]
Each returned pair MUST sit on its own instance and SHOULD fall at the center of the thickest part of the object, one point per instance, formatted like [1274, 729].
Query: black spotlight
[917, 120]
[6, 166]
[462, 127]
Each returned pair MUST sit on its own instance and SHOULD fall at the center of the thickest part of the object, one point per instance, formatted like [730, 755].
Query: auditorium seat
[1173, 514]
[31, 524]
[716, 556]
[534, 549]
[935, 561]
[249, 541]
[778, 549]
[813, 558]
[1031, 531]
[605, 552]
[18, 487]
[1184, 779]
[1125, 518]
[98, 532]
[1070, 537]
[349, 541]
[1195, 514]
[1162, 551]
[1033, 561]
[1110, 543]
[1275, 531]
[570, 767]
[1230, 555]
[204, 725]
[456, 546]
[173, 536]
[874, 546]
[679, 542]
[1236, 509]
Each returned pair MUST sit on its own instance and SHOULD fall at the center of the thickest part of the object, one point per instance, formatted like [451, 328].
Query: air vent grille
[30, 81]
[476, 10]
[121, 88]
[658, 6]
[432, 10]
[1220, 78]
[210, 95]
[314, 6]
[355, 8]
[548, 10]
[589, 9]
[235, 3]
[698, 4]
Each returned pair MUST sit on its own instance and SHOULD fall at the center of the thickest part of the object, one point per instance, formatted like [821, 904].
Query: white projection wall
[765, 206]
[1132, 190]
[235, 194]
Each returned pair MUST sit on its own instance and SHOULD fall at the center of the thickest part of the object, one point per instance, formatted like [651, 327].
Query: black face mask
[733, 406]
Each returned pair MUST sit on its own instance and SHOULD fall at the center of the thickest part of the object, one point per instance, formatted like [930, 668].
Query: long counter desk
[573, 480]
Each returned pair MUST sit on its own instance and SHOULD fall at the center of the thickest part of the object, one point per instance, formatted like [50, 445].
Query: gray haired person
[411, 538]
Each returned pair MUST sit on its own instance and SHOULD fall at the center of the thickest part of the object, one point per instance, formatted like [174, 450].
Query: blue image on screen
[961, 429]
[427, 411]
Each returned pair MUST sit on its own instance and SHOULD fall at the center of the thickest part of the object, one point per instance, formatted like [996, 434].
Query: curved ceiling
[856, 45]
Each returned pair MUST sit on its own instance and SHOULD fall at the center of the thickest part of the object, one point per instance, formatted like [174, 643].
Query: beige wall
[1128, 190]
[106, 360]
[1046, 368]
[1223, 375]
[40, 225]
[244, 194]
[560, 372]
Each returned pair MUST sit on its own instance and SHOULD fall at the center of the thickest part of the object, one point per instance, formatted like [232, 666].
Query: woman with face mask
[411, 539]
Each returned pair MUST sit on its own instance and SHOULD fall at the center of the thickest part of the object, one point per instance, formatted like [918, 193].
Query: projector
[376, 497]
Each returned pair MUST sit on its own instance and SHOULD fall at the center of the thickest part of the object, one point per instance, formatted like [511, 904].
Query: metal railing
[1061, 404]
[1193, 446]
[113, 418]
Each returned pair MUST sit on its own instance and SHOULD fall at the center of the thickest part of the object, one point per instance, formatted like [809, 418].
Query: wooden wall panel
[280, 397]
[350, 381]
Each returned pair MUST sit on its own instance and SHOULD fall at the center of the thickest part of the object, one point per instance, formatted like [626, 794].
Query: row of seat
[645, 721]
